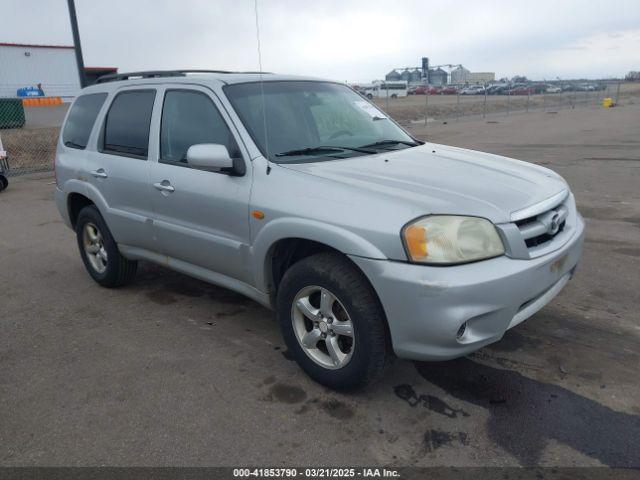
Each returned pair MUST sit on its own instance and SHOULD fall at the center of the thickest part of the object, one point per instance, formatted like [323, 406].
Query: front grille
[544, 238]
[542, 228]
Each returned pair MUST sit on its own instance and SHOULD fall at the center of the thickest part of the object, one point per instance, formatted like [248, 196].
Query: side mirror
[211, 156]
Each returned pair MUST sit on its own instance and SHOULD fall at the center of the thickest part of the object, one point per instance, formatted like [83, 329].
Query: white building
[461, 75]
[53, 67]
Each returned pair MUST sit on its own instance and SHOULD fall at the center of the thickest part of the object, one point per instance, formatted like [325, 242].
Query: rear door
[201, 217]
[119, 169]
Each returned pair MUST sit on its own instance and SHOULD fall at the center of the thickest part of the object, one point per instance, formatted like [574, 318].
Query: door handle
[164, 186]
[99, 173]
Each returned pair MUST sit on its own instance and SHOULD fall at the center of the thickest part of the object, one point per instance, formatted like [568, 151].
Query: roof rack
[113, 77]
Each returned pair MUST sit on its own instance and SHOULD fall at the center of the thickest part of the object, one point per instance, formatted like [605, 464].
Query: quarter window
[81, 119]
[190, 118]
[126, 129]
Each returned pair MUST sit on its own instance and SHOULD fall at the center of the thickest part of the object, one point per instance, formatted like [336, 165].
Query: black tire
[4, 182]
[119, 271]
[372, 346]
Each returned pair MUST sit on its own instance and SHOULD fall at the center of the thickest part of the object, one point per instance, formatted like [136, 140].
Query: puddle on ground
[524, 414]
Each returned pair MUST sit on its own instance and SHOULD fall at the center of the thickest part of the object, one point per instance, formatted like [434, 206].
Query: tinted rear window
[81, 119]
[127, 126]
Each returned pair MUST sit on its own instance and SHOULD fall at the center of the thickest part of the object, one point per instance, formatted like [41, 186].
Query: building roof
[30, 45]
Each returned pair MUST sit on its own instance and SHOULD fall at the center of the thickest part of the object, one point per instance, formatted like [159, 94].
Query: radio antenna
[264, 105]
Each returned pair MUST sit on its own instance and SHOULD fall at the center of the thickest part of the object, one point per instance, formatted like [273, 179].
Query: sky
[345, 40]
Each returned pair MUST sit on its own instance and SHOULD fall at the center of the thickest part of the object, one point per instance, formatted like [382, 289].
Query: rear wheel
[99, 250]
[332, 322]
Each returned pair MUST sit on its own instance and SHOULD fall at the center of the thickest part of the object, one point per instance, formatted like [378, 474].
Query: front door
[201, 217]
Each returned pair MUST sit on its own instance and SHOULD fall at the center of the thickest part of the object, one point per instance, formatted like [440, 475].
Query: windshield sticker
[372, 111]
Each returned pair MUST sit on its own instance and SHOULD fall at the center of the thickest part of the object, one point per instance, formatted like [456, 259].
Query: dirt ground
[173, 371]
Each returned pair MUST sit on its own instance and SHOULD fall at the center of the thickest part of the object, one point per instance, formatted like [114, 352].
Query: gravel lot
[173, 371]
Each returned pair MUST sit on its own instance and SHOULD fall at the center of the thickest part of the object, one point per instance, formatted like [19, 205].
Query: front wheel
[332, 322]
[99, 251]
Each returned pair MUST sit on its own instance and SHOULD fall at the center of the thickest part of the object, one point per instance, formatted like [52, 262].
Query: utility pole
[76, 41]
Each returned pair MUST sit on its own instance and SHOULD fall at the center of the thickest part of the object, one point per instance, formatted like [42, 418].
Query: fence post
[386, 89]
[528, 98]
[509, 100]
[484, 107]
[457, 105]
[544, 101]
[426, 107]
[617, 93]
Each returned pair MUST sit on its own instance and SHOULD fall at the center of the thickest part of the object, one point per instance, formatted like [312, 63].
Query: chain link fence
[455, 105]
[29, 128]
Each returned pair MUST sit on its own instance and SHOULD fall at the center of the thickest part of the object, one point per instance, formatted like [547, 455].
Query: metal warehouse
[48, 69]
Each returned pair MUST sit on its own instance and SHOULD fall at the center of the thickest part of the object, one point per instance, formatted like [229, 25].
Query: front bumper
[426, 306]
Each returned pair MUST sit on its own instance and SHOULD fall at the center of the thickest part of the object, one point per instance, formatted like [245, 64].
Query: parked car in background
[305, 197]
[472, 90]
[585, 87]
[553, 89]
[448, 90]
[434, 90]
[497, 89]
[537, 88]
[418, 90]
[520, 90]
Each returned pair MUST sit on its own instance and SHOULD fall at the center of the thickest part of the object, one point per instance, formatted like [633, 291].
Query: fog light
[461, 330]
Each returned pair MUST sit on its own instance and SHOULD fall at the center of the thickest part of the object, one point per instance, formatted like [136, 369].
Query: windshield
[313, 121]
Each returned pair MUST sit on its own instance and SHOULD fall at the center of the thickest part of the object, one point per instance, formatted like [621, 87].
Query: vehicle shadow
[524, 413]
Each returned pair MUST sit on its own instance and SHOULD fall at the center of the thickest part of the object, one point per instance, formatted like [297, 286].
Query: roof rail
[113, 77]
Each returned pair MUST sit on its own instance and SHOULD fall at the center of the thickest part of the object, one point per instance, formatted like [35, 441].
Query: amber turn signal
[257, 214]
[416, 239]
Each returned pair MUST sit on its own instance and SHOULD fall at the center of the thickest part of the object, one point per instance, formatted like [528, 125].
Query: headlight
[448, 239]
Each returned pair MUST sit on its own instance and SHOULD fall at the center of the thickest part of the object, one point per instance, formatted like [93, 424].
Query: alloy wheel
[323, 327]
[94, 247]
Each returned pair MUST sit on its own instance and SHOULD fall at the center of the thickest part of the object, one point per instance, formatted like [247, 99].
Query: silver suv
[304, 196]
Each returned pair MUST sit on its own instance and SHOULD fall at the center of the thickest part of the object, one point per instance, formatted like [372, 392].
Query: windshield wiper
[321, 149]
[384, 143]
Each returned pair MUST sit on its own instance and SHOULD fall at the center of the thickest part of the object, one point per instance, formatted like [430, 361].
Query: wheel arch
[311, 236]
[80, 196]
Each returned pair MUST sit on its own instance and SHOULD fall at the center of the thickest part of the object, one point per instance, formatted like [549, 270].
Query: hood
[439, 179]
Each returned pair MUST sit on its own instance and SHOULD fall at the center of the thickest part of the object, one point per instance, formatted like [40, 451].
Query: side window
[81, 119]
[126, 130]
[190, 118]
